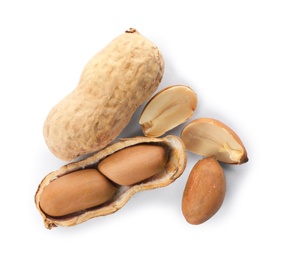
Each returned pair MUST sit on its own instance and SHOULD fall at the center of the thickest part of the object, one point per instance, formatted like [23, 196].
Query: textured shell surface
[113, 84]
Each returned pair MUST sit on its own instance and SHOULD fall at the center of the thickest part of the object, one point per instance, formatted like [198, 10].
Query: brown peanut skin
[113, 84]
[76, 191]
[204, 191]
[134, 164]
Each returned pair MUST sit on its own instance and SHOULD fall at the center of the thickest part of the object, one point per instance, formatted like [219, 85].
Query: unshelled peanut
[113, 84]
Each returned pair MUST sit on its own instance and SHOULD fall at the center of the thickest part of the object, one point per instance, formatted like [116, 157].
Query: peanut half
[76, 191]
[169, 108]
[112, 85]
[204, 191]
[208, 136]
[134, 164]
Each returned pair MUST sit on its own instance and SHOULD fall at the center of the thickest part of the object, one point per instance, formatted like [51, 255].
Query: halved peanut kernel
[210, 137]
[76, 191]
[134, 164]
[169, 108]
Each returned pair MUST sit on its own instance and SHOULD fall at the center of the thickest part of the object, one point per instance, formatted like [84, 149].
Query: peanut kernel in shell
[134, 164]
[76, 191]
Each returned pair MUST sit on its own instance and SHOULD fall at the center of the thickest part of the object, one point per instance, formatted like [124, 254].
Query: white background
[230, 52]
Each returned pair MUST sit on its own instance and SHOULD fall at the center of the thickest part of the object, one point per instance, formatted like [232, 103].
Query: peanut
[210, 137]
[169, 108]
[76, 191]
[113, 84]
[204, 191]
[134, 164]
[69, 196]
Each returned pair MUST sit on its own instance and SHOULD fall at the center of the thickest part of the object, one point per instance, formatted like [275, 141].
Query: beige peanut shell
[113, 84]
[173, 169]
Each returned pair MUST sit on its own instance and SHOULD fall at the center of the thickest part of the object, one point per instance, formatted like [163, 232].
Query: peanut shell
[177, 159]
[113, 84]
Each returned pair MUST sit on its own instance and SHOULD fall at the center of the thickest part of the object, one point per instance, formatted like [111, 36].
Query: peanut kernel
[76, 191]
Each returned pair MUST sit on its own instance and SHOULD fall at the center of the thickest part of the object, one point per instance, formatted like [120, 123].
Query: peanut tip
[131, 30]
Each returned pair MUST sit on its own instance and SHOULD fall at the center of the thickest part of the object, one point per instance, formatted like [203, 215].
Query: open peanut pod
[69, 196]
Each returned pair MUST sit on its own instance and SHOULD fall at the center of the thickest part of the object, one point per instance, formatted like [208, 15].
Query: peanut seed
[208, 137]
[204, 191]
[76, 191]
[169, 108]
[134, 164]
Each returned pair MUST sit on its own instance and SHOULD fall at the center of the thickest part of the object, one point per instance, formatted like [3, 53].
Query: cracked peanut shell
[177, 159]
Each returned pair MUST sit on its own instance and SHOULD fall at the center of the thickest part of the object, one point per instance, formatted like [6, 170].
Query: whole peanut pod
[113, 84]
